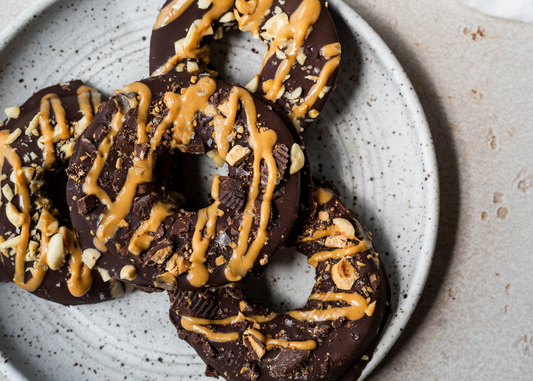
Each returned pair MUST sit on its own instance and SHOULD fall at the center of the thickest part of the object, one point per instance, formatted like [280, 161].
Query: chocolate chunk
[281, 155]
[87, 203]
[337, 323]
[211, 372]
[122, 144]
[219, 97]
[160, 232]
[243, 174]
[196, 146]
[89, 146]
[257, 212]
[194, 304]
[180, 226]
[141, 150]
[196, 338]
[119, 178]
[255, 346]
[287, 362]
[231, 193]
[143, 206]
[183, 333]
[101, 132]
[159, 253]
[76, 171]
[145, 188]
[235, 293]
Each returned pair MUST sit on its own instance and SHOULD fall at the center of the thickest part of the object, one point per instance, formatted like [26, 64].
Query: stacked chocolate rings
[127, 225]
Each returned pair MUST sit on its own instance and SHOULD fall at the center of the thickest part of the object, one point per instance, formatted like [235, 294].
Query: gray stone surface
[473, 74]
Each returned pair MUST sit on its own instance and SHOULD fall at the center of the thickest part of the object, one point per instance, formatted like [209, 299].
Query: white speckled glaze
[372, 140]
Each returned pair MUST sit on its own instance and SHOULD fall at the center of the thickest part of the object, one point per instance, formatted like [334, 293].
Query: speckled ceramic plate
[372, 140]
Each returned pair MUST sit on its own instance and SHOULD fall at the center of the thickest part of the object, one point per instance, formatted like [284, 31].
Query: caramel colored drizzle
[81, 278]
[355, 310]
[319, 234]
[292, 37]
[251, 22]
[171, 12]
[142, 239]
[262, 143]
[47, 131]
[207, 220]
[195, 325]
[310, 99]
[270, 343]
[85, 95]
[338, 253]
[305, 15]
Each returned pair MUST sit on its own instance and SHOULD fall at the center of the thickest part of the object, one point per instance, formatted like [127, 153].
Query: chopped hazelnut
[344, 274]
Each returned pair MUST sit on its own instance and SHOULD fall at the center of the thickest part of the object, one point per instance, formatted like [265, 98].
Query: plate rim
[399, 77]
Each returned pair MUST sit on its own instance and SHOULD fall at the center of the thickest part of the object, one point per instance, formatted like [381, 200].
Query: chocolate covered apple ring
[300, 65]
[334, 333]
[116, 195]
[39, 251]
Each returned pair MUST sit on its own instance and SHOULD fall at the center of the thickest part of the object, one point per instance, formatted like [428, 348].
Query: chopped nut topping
[337, 240]
[246, 7]
[300, 56]
[8, 192]
[344, 226]
[161, 255]
[10, 243]
[116, 288]
[12, 112]
[166, 281]
[219, 33]
[13, 136]
[13, 215]
[295, 94]
[255, 345]
[177, 265]
[128, 272]
[323, 216]
[237, 155]
[228, 17]
[344, 274]
[104, 274]
[313, 113]
[33, 125]
[253, 84]
[274, 26]
[89, 257]
[220, 260]
[55, 255]
[297, 158]
[204, 4]
[213, 155]
[32, 251]
[192, 67]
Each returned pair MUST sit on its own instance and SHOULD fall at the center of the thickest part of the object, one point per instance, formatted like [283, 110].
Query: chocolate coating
[174, 235]
[340, 342]
[323, 33]
[54, 285]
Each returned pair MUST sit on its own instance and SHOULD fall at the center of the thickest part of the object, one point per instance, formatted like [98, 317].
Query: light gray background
[474, 76]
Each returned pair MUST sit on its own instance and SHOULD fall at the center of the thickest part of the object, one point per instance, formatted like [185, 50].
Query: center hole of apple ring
[286, 284]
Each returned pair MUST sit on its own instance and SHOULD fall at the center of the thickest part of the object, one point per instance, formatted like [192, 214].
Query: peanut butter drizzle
[7, 152]
[85, 95]
[262, 143]
[331, 50]
[338, 253]
[319, 234]
[195, 325]
[191, 47]
[171, 12]
[207, 220]
[355, 310]
[305, 15]
[142, 239]
[311, 97]
[81, 278]
[270, 343]
[47, 131]
[251, 22]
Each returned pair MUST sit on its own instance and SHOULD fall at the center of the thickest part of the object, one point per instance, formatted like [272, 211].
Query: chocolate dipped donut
[116, 194]
[39, 251]
[334, 334]
[300, 65]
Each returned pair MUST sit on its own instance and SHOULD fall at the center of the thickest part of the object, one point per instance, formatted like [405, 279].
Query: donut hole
[238, 56]
[286, 284]
[192, 176]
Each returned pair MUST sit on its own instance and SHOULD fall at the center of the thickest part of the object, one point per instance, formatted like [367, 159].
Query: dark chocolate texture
[54, 285]
[179, 227]
[323, 33]
[344, 346]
